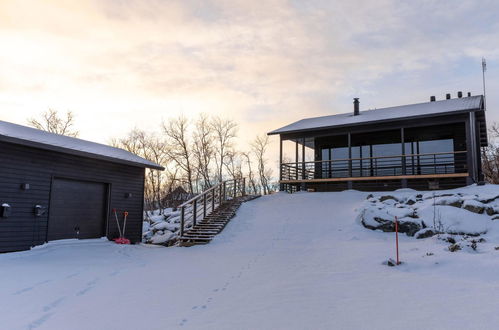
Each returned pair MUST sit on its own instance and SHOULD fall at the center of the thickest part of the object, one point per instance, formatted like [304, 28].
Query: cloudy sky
[119, 64]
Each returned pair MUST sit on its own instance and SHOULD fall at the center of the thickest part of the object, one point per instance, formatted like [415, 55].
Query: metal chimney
[459, 94]
[356, 106]
[469, 94]
[447, 96]
[432, 98]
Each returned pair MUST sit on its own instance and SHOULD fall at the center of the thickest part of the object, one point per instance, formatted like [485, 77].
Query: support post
[470, 179]
[404, 161]
[204, 206]
[281, 186]
[296, 158]
[213, 196]
[243, 191]
[194, 212]
[222, 192]
[235, 188]
[349, 155]
[303, 174]
[182, 220]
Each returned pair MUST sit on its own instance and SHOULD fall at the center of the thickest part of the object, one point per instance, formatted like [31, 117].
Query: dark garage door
[77, 209]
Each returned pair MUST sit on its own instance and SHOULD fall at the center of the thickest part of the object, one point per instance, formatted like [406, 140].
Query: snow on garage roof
[384, 114]
[35, 138]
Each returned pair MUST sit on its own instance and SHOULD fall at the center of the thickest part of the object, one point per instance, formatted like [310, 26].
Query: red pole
[397, 239]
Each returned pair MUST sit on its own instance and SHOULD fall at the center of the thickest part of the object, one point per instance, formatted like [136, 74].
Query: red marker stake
[397, 239]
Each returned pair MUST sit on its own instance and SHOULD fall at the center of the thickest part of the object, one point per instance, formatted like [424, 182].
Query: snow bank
[465, 211]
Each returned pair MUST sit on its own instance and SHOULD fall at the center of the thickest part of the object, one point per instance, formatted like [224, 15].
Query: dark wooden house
[176, 197]
[57, 187]
[432, 145]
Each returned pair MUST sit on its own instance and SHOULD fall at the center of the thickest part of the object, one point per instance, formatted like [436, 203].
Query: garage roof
[35, 138]
[427, 109]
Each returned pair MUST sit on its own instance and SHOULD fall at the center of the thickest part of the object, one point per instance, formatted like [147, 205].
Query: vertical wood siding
[20, 164]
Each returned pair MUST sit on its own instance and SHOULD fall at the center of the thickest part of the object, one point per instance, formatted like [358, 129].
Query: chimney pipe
[447, 96]
[356, 106]
[469, 94]
[459, 94]
[432, 98]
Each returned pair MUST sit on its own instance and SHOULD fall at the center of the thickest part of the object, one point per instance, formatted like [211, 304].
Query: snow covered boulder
[384, 219]
[162, 237]
[425, 233]
[457, 212]
[474, 206]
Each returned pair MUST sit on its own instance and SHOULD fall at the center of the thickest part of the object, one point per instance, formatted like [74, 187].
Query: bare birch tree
[259, 147]
[179, 148]
[203, 150]
[50, 121]
[251, 175]
[153, 148]
[225, 130]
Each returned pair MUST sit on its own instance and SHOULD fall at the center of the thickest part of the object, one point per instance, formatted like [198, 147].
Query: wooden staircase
[211, 225]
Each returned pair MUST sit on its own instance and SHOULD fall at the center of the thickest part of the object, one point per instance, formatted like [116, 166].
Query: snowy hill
[299, 261]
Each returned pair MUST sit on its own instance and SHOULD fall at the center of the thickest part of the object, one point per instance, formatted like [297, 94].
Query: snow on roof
[23, 135]
[391, 113]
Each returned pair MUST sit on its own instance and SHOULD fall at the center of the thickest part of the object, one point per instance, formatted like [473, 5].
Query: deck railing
[203, 204]
[410, 164]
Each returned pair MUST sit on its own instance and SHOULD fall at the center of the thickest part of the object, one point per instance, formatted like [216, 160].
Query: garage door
[77, 209]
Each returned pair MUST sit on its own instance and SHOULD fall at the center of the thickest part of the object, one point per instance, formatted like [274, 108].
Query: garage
[55, 187]
[78, 209]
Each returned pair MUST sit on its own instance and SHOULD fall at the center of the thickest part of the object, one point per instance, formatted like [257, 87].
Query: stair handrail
[218, 191]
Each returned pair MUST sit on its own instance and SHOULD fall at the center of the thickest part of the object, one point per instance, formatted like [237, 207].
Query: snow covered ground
[285, 261]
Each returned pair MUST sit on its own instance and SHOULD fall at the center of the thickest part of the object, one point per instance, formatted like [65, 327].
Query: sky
[120, 64]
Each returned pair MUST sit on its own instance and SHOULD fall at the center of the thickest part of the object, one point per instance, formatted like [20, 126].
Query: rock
[474, 206]
[410, 202]
[451, 240]
[449, 200]
[491, 210]
[383, 224]
[454, 247]
[496, 248]
[369, 196]
[410, 228]
[495, 217]
[488, 199]
[387, 197]
[425, 233]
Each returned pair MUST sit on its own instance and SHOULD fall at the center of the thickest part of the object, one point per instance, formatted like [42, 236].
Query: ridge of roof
[23, 135]
[381, 114]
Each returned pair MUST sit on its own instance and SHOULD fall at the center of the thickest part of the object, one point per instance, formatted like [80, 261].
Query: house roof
[427, 109]
[35, 138]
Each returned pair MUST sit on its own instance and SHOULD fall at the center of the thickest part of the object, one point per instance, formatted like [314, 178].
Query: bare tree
[490, 156]
[225, 131]
[153, 148]
[51, 122]
[203, 149]
[259, 147]
[179, 149]
[251, 176]
[233, 164]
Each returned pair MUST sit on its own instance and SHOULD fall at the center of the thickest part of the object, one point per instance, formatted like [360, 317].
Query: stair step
[212, 224]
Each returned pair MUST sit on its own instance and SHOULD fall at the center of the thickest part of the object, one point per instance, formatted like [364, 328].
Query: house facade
[56, 187]
[431, 145]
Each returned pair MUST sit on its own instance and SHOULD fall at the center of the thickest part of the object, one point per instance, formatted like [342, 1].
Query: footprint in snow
[31, 287]
[53, 304]
[90, 286]
[38, 322]
[23, 290]
[184, 321]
